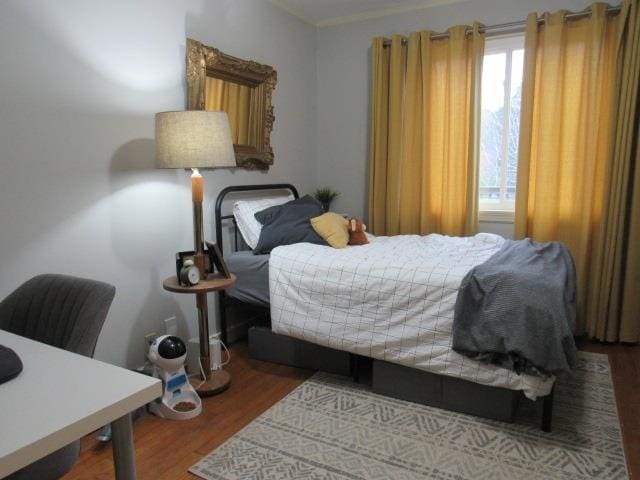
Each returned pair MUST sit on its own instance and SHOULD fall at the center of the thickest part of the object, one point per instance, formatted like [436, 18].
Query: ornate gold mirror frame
[203, 62]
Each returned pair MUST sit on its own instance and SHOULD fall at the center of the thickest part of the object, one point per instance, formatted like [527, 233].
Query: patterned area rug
[329, 428]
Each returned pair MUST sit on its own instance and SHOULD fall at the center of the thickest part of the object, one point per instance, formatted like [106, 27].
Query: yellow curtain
[567, 133]
[614, 296]
[423, 152]
[235, 99]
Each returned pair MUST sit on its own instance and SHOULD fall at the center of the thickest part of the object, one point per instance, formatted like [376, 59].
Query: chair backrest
[59, 310]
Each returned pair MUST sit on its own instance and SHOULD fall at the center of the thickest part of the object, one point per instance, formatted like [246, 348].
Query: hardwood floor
[625, 371]
[166, 449]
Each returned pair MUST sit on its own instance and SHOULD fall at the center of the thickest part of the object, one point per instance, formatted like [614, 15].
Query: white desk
[59, 397]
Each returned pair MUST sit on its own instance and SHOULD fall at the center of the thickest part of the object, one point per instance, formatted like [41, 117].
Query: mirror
[243, 89]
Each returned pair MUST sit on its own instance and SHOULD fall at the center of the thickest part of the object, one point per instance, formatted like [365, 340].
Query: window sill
[496, 216]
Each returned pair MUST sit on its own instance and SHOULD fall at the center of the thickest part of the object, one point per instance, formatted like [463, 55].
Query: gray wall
[80, 82]
[344, 85]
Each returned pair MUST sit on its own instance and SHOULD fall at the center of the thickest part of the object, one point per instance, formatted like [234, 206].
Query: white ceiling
[324, 13]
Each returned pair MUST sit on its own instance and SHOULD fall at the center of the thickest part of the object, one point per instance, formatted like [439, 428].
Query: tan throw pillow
[333, 228]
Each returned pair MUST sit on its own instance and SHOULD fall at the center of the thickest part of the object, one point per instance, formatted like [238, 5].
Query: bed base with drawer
[385, 378]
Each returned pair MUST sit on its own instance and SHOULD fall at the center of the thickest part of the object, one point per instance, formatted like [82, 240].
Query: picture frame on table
[216, 260]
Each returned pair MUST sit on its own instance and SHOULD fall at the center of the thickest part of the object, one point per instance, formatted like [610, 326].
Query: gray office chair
[66, 312]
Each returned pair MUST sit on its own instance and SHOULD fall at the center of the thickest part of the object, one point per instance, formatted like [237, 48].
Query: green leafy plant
[325, 196]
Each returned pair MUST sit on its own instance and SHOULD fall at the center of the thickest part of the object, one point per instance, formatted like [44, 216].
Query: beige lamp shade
[193, 139]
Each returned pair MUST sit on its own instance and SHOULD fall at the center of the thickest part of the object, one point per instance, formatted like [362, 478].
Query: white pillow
[244, 212]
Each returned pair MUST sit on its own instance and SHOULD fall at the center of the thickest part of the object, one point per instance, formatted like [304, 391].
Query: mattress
[392, 300]
[252, 272]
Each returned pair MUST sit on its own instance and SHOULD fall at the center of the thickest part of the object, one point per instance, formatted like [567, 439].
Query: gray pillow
[288, 224]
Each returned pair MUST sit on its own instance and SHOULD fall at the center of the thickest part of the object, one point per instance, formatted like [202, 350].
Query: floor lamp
[196, 139]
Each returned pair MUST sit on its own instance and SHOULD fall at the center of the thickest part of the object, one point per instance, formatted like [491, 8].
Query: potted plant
[325, 196]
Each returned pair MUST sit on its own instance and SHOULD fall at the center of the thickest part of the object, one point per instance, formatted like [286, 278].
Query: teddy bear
[356, 232]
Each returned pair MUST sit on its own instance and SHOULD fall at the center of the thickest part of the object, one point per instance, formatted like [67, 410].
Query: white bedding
[391, 300]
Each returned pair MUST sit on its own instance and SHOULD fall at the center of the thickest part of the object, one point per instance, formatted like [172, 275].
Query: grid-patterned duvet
[391, 300]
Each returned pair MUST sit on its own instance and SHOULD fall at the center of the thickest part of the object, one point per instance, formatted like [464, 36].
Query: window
[500, 125]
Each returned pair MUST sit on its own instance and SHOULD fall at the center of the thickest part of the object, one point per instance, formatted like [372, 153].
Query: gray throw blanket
[517, 309]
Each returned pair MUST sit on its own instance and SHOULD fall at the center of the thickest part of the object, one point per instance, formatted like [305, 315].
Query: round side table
[215, 381]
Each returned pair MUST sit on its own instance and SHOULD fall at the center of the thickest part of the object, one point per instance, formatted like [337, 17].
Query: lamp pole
[197, 196]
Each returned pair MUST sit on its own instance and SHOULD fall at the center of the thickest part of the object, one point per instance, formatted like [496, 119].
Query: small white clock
[189, 273]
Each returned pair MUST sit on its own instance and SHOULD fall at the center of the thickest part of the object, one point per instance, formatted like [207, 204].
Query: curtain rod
[512, 27]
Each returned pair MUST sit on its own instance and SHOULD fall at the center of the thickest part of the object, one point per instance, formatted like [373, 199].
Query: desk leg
[124, 456]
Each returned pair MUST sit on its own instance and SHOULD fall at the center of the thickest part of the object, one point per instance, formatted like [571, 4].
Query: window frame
[504, 211]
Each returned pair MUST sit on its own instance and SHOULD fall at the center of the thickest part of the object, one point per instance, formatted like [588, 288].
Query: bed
[383, 312]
